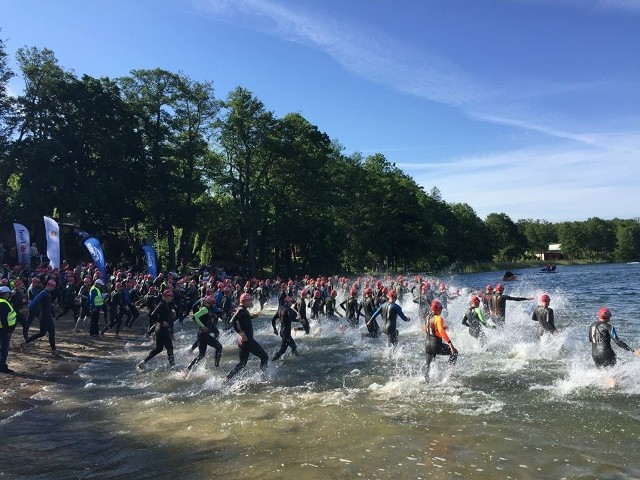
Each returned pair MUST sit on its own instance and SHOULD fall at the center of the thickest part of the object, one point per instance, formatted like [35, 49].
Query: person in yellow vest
[96, 303]
[8, 318]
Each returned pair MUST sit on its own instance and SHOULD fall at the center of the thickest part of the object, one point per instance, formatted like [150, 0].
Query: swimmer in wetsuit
[499, 304]
[242, 323]
[600, 335]
[368, 307]
[474, 319]
[285, 315]
[544, 316]
[203, 319]
[390, 312]
[437, 341]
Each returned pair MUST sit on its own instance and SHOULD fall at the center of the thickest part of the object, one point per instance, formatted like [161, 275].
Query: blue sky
[524, 107]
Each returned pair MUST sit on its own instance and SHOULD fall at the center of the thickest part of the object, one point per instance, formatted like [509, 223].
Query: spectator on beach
[8, 317]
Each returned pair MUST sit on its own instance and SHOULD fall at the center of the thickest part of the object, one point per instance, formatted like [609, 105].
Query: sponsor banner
[150, 256]
[23, 244]
[95, 250]
[53, 241]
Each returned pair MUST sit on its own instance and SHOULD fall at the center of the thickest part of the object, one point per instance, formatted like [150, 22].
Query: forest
[156, 157]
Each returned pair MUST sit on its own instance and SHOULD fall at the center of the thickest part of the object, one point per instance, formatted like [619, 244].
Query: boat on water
[509, 276]
[550, 268]
[633, 263]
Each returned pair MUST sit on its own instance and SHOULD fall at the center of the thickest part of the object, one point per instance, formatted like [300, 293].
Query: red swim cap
[545, 298]
[604, 314]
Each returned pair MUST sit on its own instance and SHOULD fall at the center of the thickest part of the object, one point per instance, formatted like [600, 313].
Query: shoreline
[36, 367]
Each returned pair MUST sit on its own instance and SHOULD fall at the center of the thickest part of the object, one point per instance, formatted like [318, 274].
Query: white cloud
[555, 184]
[369, 54]
[589, 169]
[631, 6]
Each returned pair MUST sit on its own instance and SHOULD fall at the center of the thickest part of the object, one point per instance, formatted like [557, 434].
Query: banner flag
[150, 255]
[23, 245]
[95, 250]
[53, 241]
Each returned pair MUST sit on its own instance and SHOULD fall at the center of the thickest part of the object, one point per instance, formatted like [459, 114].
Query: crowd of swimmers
[217, 301]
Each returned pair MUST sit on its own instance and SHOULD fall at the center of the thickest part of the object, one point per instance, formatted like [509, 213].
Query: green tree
[600, 239]
[538, 233]
[573, 237]
[6, 128]
[175, 117]
[507, 243]
[627, 241]
[245, 139]
[467, 235]
[300, 188]
[75, 137]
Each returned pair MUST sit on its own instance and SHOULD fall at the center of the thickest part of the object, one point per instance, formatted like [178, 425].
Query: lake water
[349, 407]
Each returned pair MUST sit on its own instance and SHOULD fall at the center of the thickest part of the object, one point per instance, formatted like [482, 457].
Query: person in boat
[601, 333]
[508, 276]
[544, 316]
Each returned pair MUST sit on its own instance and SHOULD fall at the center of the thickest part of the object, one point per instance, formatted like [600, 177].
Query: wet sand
[36, 368]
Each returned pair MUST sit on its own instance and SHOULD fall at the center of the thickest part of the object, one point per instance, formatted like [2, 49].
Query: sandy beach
[36, 368]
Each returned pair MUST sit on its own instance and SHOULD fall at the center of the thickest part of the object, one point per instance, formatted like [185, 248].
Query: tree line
[157, 157]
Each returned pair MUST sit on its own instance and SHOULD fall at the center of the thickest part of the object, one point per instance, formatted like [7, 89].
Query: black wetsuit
[330, 308]
[434, 343]
[600, 336]
[301, 307]
[390, 312]
[131, 298]
[17, 301]
[243, 323]
[83, 293]
[474, 319]
[316, 306]
[350, 306]
[544, 316]
[151, 301]
[163, 323]
[368, 307]
[32, 292]
[44, 302]
[116, 311]
[204, 320]
[286, 315]
[69, 302]
[498, 307]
